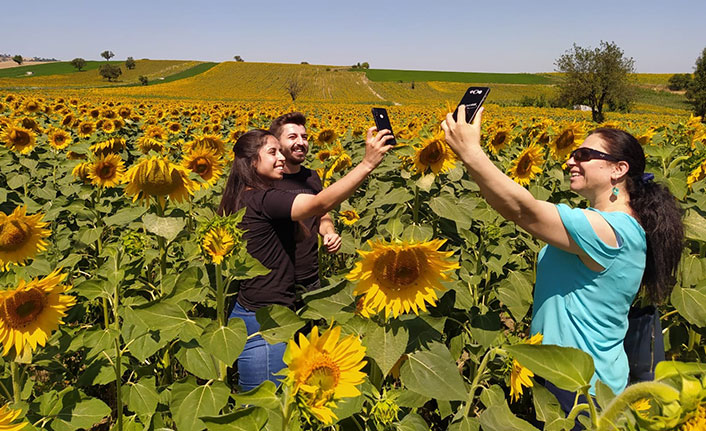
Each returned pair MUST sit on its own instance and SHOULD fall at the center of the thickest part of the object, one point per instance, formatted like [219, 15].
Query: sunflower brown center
[565, 140]
[399, 269]
[432, 153]
[201, 166]
[160, 182]
[22, 308]
[106, 171]
[499, 139]
[86, 128]
[13, 235]
[524, 165]
[19, 138]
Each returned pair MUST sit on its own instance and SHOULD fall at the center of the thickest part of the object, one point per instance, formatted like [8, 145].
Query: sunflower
[68, 121]
[342, 162]
[107, 171]
[212, 142]
[566, 141]
[7, 416]
[86, 128]
[435, 155]
[158, 177]
[81, 170]
[156, 132]
[520, 376]
[125, 112]
[646, 137]
[59, 138]
[349, 217]
[147, 144]
[32, 311]
[322, 369]
[108, 126]
[32, 106]
[323, 155]
[498, 137]
[21, 236]
[400, 277]
[72, 155]
[527, 165]
[641, 407]
[218, 243]
[110, 146]
[18, 139]
[174, 127]
[326, 137]
[204, 162]
[697, 422]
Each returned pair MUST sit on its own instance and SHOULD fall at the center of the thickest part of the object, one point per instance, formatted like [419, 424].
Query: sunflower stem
[220, 311]
[118, 351]
[476, 380]
[16, 383]
[162, 252]
[415, 210]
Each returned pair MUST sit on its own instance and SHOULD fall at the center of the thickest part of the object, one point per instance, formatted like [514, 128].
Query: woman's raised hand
[462, 137]
[376, 146]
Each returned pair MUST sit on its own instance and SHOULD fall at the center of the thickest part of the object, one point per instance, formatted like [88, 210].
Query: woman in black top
[269, 224]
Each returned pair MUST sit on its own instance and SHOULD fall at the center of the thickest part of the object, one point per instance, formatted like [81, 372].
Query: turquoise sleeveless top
[577, 307]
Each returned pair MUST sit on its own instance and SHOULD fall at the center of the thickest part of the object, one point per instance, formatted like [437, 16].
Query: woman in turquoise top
[592, 269]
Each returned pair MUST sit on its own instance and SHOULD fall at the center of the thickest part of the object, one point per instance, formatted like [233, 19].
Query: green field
[53, 68]
[382, 75]
[188, 73]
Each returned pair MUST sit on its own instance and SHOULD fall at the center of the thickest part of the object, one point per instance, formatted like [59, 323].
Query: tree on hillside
[78, 63]
[143, 80]
[107, 55]
[110, 72]
[130, 63]
[238, 58]
[17, 59]
[696, 92]
[294, 86]
[679, 81]
[595, 77]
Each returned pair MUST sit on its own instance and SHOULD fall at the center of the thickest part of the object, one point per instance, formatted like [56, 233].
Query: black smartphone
[382, 121]
[472, 99]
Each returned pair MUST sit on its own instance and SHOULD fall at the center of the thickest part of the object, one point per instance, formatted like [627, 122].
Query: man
[290, 129]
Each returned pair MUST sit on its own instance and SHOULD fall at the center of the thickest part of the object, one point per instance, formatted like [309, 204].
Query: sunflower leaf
[277, 323]
[84, 414]
[191, 401]
[166, 227]
[142, 396]
[386, 344]
[261, 396]
[695, 226]
[566, 367]
[433, 372]
[499, 417]
[225, 342]
[690, 303]
[516, 293]
[249, 419]
[197, 361]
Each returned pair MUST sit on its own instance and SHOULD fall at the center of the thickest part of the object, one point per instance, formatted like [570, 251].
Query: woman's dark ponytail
[656, 209]
[242, 173]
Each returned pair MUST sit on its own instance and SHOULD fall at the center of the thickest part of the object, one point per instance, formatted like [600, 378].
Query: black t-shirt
[307, 235]
[270, 235]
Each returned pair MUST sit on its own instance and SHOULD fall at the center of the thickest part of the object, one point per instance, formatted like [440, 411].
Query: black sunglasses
[585, 154]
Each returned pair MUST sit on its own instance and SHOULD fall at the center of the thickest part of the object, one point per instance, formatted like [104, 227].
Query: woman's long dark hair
[657, 211]
[242, 173]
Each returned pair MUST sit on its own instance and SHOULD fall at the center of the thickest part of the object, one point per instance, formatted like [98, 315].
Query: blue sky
[475, 36]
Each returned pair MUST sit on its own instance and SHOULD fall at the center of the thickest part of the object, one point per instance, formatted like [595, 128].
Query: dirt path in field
[366, 82]
[9, 64]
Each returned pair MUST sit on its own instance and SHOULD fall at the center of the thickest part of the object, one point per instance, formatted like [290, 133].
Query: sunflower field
[116, 275]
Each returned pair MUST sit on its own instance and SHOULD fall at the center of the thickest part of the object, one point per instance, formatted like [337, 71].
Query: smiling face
[593, 177]
[295, 143]
[270, 163]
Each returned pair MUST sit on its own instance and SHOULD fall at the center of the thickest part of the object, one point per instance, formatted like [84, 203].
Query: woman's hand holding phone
[462, 137]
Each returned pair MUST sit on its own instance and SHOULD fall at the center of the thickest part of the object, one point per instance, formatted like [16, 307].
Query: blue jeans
[259, 359]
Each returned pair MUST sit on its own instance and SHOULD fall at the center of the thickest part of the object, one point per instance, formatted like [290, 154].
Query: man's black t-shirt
[307, 260]
[270, 235]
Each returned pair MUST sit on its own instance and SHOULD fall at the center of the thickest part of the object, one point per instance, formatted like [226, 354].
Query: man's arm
[331, 240]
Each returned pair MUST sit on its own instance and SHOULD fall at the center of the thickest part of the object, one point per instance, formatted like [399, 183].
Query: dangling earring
[616, 191]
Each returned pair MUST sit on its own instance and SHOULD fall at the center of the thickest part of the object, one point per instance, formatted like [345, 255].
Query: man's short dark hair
[288, 118]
